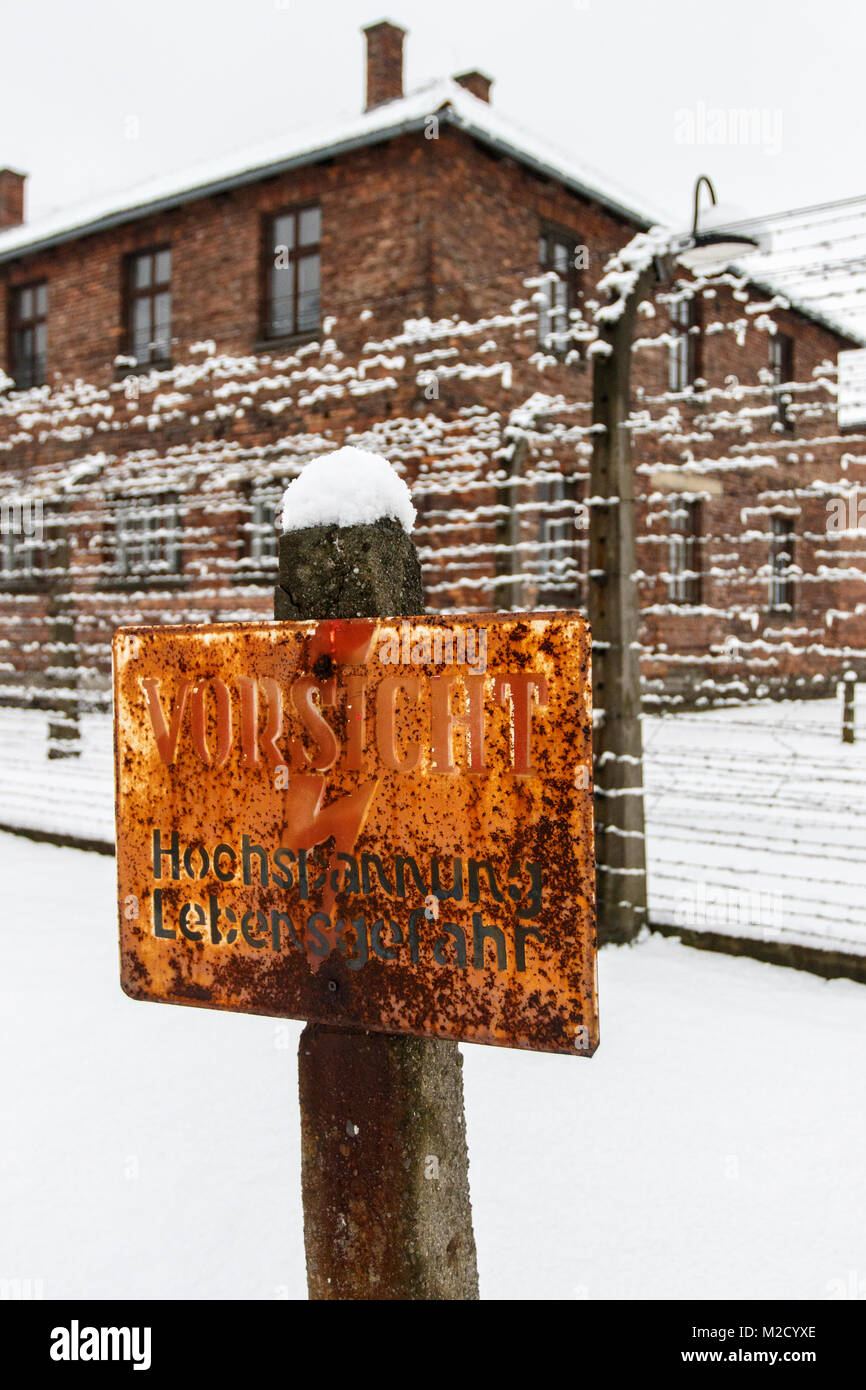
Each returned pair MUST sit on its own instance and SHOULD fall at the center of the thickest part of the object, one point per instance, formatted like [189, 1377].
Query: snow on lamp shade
[350, 487]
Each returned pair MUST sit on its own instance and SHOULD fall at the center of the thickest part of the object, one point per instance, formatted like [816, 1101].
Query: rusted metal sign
[384, 823]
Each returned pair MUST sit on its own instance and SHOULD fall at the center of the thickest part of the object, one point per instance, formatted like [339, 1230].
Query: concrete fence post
[849, 695]
[615, 619]
[64, 724]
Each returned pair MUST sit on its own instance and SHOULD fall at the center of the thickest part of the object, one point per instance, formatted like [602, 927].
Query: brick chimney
[478, 83]
[384, 63]
[11, 198]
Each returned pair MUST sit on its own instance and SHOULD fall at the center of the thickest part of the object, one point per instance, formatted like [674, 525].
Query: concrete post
[384, 1161]
[849, 695]
[64, 724]
[614, 618]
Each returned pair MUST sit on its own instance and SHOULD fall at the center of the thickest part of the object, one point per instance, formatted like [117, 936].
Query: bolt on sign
[384, 823]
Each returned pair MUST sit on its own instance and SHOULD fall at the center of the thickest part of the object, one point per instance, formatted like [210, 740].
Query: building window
[292, 273]
[147, 536]
[685, 365]
[554, 558]
[148, 306]
[22, 548]
[684, 561]
[261, 530]
[781, 562]
[557, 260]
[782, 369]
[29, 309]
[20, 557]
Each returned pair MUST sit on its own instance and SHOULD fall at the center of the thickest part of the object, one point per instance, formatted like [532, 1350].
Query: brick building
[421, 282]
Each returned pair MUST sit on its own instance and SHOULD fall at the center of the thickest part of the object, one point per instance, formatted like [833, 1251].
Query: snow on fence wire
[152, 499]
[756, 823]
[63, 796]
[756, 814]
[156, 494]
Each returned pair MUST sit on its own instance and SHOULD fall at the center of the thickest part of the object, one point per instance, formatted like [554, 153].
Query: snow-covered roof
[452, 104]
[446, 99]
[816, 258]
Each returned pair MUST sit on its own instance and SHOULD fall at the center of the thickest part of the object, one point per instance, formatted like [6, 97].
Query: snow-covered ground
[756, 815]
[712, 1147]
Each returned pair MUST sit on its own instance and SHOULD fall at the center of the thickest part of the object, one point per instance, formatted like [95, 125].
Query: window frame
[168, 560]
[555, 542]
[685, 576]
[685, 361]
[133, 294]
[258, 558]
[23, 557]
[782, 372]
[18, 324]
[780, 597]
[296, 253]
[551, 234]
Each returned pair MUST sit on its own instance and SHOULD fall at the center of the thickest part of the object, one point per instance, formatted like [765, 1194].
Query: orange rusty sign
[382, 823]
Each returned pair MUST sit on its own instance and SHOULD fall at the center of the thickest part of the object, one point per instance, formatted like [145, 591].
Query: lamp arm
[702, 178]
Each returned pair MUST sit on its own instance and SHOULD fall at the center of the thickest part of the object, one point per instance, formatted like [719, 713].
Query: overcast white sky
[620, 85]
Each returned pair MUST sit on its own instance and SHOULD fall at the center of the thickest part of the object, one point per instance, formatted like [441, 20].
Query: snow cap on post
[350, 487]
[346, 549]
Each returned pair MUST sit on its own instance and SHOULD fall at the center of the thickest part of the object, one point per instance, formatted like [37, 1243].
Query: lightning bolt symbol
[307, 823]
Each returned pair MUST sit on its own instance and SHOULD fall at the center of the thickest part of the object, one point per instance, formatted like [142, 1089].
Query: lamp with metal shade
[711, 250]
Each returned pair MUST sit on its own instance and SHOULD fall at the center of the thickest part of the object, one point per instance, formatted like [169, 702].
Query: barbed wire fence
[754, 809]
